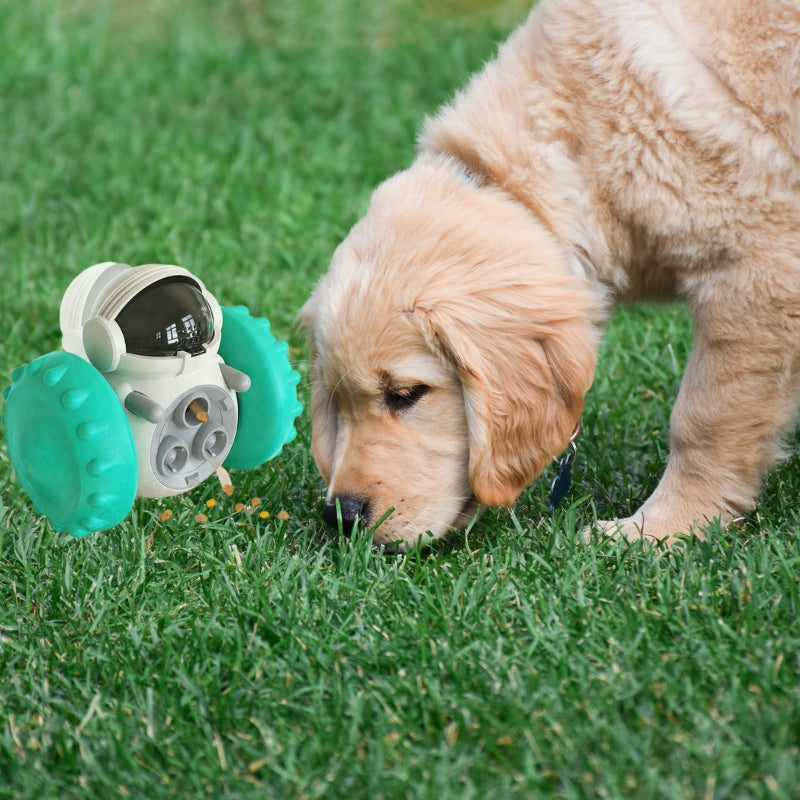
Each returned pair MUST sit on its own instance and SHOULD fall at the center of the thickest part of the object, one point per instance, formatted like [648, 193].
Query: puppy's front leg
[738, 396]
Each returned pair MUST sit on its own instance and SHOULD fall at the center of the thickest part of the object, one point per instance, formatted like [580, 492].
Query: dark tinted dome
[166, 317]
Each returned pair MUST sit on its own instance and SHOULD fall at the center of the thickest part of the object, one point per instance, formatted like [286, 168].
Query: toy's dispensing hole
[195, 436]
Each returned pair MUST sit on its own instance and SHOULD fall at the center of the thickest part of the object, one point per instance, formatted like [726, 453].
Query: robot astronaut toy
[157, 387]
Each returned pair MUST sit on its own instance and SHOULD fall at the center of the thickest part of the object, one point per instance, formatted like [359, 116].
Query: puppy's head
[451, 348]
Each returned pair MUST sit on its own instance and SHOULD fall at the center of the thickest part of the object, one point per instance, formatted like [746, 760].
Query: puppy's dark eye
[400, 399]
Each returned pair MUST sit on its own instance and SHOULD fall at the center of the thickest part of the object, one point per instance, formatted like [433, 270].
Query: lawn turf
[257, 655]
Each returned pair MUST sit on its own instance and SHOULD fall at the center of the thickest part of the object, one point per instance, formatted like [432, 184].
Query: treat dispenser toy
[156, 389]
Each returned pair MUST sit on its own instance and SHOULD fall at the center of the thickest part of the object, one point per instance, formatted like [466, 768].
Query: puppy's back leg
[738, 397]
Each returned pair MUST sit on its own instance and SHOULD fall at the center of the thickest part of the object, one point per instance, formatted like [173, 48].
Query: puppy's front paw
[636, 528]
[630, 528]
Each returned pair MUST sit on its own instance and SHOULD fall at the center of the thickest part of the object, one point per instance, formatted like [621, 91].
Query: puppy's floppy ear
[525, 356]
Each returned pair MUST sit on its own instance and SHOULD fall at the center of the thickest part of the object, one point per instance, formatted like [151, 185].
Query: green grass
[253, 657]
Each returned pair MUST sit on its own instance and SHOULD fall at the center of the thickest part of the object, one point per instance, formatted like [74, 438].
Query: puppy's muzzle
[346, 508]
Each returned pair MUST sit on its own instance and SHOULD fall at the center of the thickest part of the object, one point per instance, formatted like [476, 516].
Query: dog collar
[563, 479]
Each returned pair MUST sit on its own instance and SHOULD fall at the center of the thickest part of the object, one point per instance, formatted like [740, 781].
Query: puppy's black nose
[350, 507]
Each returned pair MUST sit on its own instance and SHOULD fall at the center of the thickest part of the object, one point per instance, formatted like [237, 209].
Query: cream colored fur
[614, 149]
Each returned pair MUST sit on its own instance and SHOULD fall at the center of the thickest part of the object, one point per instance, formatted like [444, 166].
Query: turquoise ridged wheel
[70, 443]
[268, 409]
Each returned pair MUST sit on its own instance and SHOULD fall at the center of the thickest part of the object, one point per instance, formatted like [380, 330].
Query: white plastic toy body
[182, 408]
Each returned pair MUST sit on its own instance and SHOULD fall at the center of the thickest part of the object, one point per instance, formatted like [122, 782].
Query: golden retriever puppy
[614, 149]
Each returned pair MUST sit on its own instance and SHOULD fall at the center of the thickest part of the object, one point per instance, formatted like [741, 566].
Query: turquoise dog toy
[156, 389]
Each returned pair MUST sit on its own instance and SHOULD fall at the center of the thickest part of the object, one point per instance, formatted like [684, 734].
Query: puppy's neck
[491, 131]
